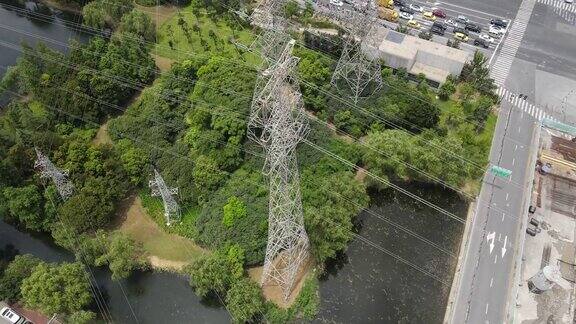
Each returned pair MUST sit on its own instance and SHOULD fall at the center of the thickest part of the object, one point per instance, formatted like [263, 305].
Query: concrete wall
[444, 63]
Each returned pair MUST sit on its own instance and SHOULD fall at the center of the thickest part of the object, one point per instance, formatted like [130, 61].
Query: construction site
[546, 289]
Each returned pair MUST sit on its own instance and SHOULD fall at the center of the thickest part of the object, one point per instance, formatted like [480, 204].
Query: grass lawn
[203, 35]
[157, 242]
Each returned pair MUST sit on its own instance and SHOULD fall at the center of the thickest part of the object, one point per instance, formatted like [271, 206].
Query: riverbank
[165, 251]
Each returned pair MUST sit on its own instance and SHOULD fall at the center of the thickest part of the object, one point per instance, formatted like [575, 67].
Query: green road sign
[500, 172]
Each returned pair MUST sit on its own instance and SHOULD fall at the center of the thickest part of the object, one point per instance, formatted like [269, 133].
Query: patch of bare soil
[273, 293]
[102, 136]
[159, 14]
[163, 63]
[159, 263]
[165, 251]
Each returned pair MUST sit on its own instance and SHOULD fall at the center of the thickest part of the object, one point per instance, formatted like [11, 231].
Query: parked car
[569, 1]
[415, 7]
[439, 13]
[405, 15]
[473, 27]
[480, 42]
[429, 16]
[437, 30]
[461, 37]
[400, 3]
[452, 22]
[496, 31]
[414, 24]
[439, 24]
[486, 38]
[336, 3]
[460, 30]
[11, 316]
[462, 19]
[499, 22]
[407, 10]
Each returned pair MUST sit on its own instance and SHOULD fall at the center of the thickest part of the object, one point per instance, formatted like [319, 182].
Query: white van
[11, 316]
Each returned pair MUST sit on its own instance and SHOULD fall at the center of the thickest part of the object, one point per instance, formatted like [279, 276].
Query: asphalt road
[544, 68]
[488, 270]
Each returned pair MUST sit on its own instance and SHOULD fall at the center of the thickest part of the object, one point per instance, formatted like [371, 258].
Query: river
[364, 285]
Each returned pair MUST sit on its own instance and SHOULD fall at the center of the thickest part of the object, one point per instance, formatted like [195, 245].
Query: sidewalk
[554, 195]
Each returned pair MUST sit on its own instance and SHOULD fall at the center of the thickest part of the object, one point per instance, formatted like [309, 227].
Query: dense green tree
[18, 270]
[248, 232]
[330, 205]
[244, 300]
[81, 317]
[213, 273]
[105, 13]
[233, 210]
[314, 71]
[138, 23]
[26, 204]
[55, 288]
[446, 90]
[122, 256]
[482, 108]
[387, 154]
[207, 176]
[477, 73]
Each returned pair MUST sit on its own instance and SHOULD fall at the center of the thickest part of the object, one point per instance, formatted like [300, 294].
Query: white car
[405, 15]
[452, 23]
[463, 19]
[486, 37]
[569, 1]
[10, 315]
[416, 7]
[336, 3]
[496, 31]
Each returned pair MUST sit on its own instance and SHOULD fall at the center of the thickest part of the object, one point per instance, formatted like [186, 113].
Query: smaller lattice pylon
[59, 177]
[358, 71]
[159, 188]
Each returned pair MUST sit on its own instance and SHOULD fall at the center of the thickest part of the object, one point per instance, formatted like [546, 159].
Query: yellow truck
[386, 4]
[388, 14]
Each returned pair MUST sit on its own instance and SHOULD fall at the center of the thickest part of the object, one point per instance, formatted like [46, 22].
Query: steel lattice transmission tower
[273, 38]
[358, 71]
[59, 177]
[278, 122]
[159, 188]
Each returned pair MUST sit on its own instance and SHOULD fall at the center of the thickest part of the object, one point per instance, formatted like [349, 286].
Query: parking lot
[452, 11]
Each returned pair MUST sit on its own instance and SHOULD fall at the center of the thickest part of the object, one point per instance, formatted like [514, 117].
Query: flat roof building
[417, 55]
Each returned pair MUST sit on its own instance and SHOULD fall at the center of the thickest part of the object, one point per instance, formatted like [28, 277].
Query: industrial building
[417, 55]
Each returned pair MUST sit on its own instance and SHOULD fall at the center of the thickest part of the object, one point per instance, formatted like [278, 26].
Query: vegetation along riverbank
[170, 90]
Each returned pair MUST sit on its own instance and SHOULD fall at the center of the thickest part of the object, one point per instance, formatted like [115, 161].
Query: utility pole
[358, 72]
[159, 188]
[278, 122]
[59, 177]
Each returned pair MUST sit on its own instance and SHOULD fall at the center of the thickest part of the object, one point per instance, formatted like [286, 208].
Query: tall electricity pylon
[159, 188]
[358, 70]
[273, 38]
[277, 122]
[59, 177]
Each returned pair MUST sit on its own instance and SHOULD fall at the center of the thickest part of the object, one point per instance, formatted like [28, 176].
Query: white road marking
[504, 246]
[507, 194]
[490, 238]
[486, 309]
[495, 257]
[502, 220]
[515, 147]
[513, 160]
[491, 281]
[501, 68]
[519, 129]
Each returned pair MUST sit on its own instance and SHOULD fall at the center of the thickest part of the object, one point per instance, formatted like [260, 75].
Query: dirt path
[102, 136]
[165, 250]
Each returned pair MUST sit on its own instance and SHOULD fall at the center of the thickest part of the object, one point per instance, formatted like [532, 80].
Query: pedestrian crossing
[501, 68]
[524, 105]
[560, 4]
